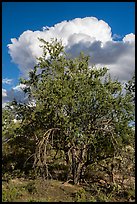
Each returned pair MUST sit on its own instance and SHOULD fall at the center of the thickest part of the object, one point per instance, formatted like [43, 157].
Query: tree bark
[74, 167]
[77, 163]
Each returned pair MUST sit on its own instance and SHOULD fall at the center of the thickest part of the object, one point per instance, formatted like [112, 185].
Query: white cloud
[14, 93]
[89, 34]
[4, 93]
[4, 97]
[7, 81]
[25, 49]
[118, 56]
[130, 38]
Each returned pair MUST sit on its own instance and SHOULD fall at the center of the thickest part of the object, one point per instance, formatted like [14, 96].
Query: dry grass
[23, 190]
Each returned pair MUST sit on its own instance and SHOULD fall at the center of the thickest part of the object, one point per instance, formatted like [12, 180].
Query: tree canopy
[72, 108]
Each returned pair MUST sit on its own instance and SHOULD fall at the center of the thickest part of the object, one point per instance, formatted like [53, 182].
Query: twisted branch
[40, 158]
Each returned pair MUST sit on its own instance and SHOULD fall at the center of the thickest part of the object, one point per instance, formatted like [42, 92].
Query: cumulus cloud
[14, 93]
[118, 56]
[130, 38]
[4, 97]
[25, 49]
[90, 35]
[4, 93]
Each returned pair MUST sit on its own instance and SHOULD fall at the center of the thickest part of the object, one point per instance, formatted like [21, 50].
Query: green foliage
[11, 193]
[87, 113]
[130, 87]
[80, 196]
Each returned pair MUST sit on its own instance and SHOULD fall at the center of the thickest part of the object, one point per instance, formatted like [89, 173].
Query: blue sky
[18, 17]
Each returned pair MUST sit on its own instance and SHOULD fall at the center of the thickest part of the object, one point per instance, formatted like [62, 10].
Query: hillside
[38, 190]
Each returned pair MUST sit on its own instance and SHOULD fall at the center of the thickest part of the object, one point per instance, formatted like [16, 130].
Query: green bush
[80, 196]
[11, 193]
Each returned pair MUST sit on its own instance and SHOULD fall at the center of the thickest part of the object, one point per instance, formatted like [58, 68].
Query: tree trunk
[77, 164]
[74, 166]
[67, 159]
[112, 174]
